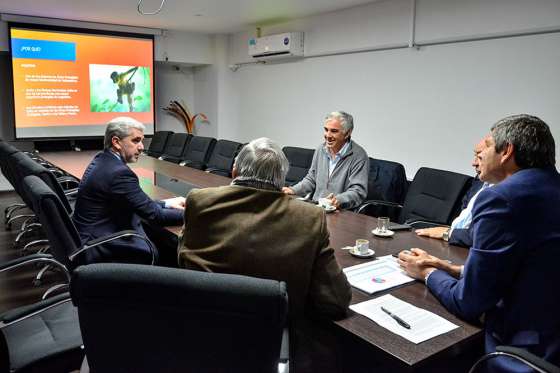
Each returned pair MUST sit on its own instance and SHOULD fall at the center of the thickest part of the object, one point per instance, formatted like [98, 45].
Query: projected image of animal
[119, 88]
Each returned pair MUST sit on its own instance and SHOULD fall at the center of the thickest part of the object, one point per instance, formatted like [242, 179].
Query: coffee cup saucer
[353, 251]
[387, 233]
[329, 208]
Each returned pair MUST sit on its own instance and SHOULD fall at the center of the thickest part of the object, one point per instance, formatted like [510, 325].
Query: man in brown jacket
[250, 227]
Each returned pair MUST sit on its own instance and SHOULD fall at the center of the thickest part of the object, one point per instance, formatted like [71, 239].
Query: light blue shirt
[337, 157]
[463, 221]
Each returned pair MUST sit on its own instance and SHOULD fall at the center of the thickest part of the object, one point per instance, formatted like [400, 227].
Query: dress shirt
[337, 157]
[464, 220]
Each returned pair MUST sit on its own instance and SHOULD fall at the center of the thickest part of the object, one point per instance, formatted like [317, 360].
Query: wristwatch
[445, 235]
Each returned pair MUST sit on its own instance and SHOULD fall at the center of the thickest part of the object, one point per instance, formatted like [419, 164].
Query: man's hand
[417, 263]
[176, 203]
[331, 197]
[287, 190]
[435, 232]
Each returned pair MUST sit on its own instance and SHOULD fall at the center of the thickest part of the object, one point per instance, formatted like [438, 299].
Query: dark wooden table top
[344, 227]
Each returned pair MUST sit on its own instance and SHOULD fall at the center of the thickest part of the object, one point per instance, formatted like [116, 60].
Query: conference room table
[162, 179]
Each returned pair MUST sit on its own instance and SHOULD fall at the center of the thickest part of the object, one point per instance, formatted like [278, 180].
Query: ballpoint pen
[400, 321]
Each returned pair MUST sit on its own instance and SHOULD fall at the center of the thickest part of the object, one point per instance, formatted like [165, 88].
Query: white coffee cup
[362, 246]
[325, 203]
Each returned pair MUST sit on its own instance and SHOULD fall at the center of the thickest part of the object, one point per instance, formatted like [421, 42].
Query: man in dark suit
[251, 228]
[512, 265]
[110, 199]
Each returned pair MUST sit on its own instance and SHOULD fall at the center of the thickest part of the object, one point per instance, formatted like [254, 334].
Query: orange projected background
[50, 92]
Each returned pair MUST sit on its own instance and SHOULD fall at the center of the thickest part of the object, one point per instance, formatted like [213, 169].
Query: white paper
[377, 275]
[424, 325]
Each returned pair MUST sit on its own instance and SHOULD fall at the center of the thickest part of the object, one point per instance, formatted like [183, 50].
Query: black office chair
[532, 361]
[198, 152]
[222, 157]
[137, 318]
[6, 150]
[176, 146]
[433, 198]
[300, 162]
[24, 166]
[158, 143]
[64, 240]
[42, 337]
[386, 182]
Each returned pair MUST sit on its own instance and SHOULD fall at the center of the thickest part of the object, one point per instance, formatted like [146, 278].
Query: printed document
[377, 275]
[424, 325]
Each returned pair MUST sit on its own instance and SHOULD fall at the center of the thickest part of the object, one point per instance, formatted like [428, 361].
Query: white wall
[423, 107]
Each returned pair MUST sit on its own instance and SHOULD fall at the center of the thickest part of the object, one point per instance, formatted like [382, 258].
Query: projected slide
[69, 84]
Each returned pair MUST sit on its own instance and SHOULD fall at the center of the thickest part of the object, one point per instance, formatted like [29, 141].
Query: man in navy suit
[110, 199]
[510, 272]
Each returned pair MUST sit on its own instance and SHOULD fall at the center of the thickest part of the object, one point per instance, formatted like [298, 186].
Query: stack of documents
[377, 275]
[423, 324]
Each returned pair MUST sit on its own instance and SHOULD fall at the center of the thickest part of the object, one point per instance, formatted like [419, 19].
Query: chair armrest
[20, 312]
[34, 258]
[56, 171]
[284, 352]
[527, 357]
[102, 240]
[71, 192]
[417, 224]
[524, 356]
[68, 180]
[374, 202]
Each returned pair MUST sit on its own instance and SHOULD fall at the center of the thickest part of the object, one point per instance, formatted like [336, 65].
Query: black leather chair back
[137, 318]
[198, 151]
[386, 181]
[55, 221]
[6, 150]
[222, 157]
[300, 162]
[158, 143]
[176, 145]
[27, 166]
[434, 195]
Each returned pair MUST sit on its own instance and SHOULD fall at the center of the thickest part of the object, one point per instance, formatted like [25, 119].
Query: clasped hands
[418, 264]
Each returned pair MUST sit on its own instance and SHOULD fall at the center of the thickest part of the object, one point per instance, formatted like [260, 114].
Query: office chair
[300, 162]
[6, 150]
[41, 337]
[25, 166]
[158, 143]
[175, 147]
[198, 152]
[137, 318]
[222, 157]
[386, 182]
[433, 198]
[532, 361]
[64, 240]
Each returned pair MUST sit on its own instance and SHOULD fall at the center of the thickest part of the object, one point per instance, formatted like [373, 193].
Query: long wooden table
[344, 227]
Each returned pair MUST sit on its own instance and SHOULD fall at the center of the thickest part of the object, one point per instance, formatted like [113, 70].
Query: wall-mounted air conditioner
[287, 45]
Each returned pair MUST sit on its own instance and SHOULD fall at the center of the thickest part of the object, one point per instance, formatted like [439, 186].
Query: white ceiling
[207, 16]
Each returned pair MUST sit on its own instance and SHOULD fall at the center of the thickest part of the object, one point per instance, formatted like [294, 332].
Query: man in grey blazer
[339, 170]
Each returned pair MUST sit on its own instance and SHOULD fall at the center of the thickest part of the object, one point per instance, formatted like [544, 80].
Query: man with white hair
[339, 170]
[110, 199]
[251, 228]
